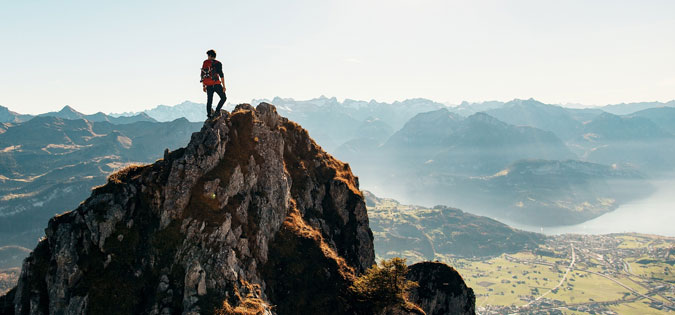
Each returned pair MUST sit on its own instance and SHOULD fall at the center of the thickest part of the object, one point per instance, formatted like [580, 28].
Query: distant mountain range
[334, 123]
[664, 117]
[331, 122]
[632, 141]
[518, 160]
[470, 162]
[67, 112]
[49, 164]
[556, 119]
[629, 108]
[467, 108]
[8, 116]
[477, 145]
[191, 111]
[395, 114]
[642, 139]
[442, 141]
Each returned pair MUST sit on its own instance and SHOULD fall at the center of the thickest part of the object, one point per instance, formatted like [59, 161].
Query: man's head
[211, 53]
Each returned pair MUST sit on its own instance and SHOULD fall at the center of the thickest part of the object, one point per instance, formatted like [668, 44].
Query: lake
[652, 215]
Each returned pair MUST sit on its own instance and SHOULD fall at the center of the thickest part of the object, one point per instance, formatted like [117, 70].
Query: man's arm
[222, 76]
[202, 80]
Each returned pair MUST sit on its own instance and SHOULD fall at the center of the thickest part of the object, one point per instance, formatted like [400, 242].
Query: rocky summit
[251, 217]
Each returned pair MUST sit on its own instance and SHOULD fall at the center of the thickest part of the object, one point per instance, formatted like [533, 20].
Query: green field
[514, 272]
[597, 282]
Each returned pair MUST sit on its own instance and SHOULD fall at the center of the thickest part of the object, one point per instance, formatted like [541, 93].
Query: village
[577, 274]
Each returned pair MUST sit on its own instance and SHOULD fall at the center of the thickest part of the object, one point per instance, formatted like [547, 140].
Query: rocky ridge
[251, 217]
[440, 289]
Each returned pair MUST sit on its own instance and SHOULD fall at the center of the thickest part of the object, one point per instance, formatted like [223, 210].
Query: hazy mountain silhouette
[333, 123]
[584, 115]
[480, 144]
[439, 157]
[8, 116]
[536, 114]
[48, 164]
[627, 140]
[467, 108]
[664, 117]
[194, 112]
[369, 136]
[612, 127]
[68, 112]
[629, 108]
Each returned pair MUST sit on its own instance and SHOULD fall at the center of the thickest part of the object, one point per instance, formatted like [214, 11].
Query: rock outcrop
[441, 289]
[252, 217]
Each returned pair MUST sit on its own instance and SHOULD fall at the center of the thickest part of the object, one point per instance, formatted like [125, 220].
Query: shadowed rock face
[441, 289]
[199, 227]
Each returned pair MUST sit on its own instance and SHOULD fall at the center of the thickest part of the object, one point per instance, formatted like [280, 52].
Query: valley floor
[577, 274]
[8, 279]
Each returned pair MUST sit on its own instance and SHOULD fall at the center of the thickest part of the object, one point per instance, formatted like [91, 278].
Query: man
[212, 78]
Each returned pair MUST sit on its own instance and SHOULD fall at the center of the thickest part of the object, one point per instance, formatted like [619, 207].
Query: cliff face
[441, 289]
[252, 217]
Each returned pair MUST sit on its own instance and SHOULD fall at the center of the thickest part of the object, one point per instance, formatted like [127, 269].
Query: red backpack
[209, 71]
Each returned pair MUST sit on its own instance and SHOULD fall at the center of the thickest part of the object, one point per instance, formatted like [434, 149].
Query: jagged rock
[441, 289]
[252, 214]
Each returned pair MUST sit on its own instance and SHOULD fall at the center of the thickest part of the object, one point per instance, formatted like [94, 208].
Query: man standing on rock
[212, 78]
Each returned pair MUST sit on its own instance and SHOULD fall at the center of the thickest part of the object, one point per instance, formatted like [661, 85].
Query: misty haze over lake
[652, 215]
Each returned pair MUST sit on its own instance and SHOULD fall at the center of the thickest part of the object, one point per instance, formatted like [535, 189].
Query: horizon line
[343, 100]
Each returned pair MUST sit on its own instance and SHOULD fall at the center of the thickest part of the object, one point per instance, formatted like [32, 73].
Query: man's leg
[222, 96]
[209, 100]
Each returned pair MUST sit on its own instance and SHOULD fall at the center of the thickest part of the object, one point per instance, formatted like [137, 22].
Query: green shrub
[384, 285]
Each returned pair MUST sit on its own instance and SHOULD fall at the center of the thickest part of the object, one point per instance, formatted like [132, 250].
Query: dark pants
[209, 98]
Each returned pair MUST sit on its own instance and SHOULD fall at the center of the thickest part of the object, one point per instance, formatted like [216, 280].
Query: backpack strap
[214, 69]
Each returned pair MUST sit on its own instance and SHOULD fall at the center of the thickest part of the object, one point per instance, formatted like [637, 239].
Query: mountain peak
[6, 115]
[484, 118]
[528, 102]
[251, 212]
[228, 213]
[66, 112]
[68, 109]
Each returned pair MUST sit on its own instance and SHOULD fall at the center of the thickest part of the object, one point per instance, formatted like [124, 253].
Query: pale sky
[118, 56]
